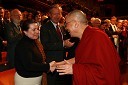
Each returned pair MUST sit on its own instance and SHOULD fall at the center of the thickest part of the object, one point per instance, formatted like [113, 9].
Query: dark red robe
[96, 60]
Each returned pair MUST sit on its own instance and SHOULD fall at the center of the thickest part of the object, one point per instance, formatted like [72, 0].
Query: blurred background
[96, 8]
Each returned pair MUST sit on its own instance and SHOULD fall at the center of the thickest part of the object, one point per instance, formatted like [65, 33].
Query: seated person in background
[29, 59]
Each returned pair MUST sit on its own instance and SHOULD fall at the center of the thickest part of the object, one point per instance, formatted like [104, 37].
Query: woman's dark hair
[25, 24]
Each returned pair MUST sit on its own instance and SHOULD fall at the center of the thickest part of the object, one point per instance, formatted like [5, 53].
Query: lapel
[113, 27]
[53, 30]
[14, 27]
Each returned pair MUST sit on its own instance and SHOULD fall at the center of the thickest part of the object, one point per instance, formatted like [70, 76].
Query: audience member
[96, 22]
[37, 18]
[114, 32]
[30, 16]
[3, 39]
[7, 16]
[14, 34]
[123, 40]
[24, 15]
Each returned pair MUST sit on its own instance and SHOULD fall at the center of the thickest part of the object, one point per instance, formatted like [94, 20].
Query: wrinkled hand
[65, 69]
[67, 43]
[69, 61]
[52, 66]
[61, 62]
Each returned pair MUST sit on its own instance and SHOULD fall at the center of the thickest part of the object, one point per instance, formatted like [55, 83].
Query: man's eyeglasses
[65, 24]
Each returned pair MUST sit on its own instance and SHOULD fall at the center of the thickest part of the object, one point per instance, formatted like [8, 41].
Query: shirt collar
[54, 24]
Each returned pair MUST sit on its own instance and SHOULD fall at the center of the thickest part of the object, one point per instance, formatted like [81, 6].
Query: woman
[28, 58]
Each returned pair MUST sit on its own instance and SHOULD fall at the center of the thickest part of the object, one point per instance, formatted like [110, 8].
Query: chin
[35, 37]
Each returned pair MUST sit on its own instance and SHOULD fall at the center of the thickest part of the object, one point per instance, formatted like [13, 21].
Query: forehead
[68, 18]
[55, 10]
[14, 12]
[113, 19]
[33, 25]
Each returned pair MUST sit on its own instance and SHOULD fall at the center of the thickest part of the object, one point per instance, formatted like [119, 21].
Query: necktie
[19, 28]
[40, 47]
[115, 28]
[58, 31]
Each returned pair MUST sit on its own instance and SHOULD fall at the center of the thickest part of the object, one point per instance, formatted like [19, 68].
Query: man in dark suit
[53, 43]
[113, 30]
[14, 34]
[3, 41]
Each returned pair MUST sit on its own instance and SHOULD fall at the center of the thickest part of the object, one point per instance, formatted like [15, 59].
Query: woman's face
[33, 31]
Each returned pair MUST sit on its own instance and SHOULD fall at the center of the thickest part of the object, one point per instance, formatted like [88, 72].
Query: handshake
[63, 67]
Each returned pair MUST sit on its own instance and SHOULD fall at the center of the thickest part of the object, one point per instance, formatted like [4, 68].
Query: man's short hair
[55, 6]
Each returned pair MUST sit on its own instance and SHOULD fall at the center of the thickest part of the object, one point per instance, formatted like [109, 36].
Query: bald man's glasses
[66, 23]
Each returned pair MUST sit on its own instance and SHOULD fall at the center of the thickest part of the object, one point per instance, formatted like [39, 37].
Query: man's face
[17, 16]
[1, 13]
[113, 21]
[55, 15]
[70, 26]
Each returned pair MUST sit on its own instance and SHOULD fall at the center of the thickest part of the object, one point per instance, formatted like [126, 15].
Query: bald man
[96, 61]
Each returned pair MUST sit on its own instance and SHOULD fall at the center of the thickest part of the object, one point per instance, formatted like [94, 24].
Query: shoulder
[24, 43]
[95, 32]
[10, 25]
[47, 26]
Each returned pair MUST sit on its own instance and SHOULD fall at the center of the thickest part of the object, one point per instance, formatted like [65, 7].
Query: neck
[82, 31]
[17, 24]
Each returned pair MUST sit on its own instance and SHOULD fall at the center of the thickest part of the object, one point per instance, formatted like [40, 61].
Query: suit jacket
[13, 36]
[2, 34]
[2, 30]
[53, 44]
[111, 33]
[54, 50]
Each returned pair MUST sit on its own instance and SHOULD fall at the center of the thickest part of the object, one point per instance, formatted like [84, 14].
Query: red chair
[7, 77]
[4, 54]
[4, 61]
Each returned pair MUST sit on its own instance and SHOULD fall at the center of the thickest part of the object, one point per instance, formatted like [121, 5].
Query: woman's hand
[52, 66]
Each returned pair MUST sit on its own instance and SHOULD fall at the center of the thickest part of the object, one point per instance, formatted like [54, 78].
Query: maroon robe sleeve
[97, 61]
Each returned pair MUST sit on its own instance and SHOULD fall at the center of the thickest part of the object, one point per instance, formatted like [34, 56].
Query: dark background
[106, 8]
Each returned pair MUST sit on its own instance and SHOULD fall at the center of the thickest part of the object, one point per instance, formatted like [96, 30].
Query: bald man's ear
[76, 24]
